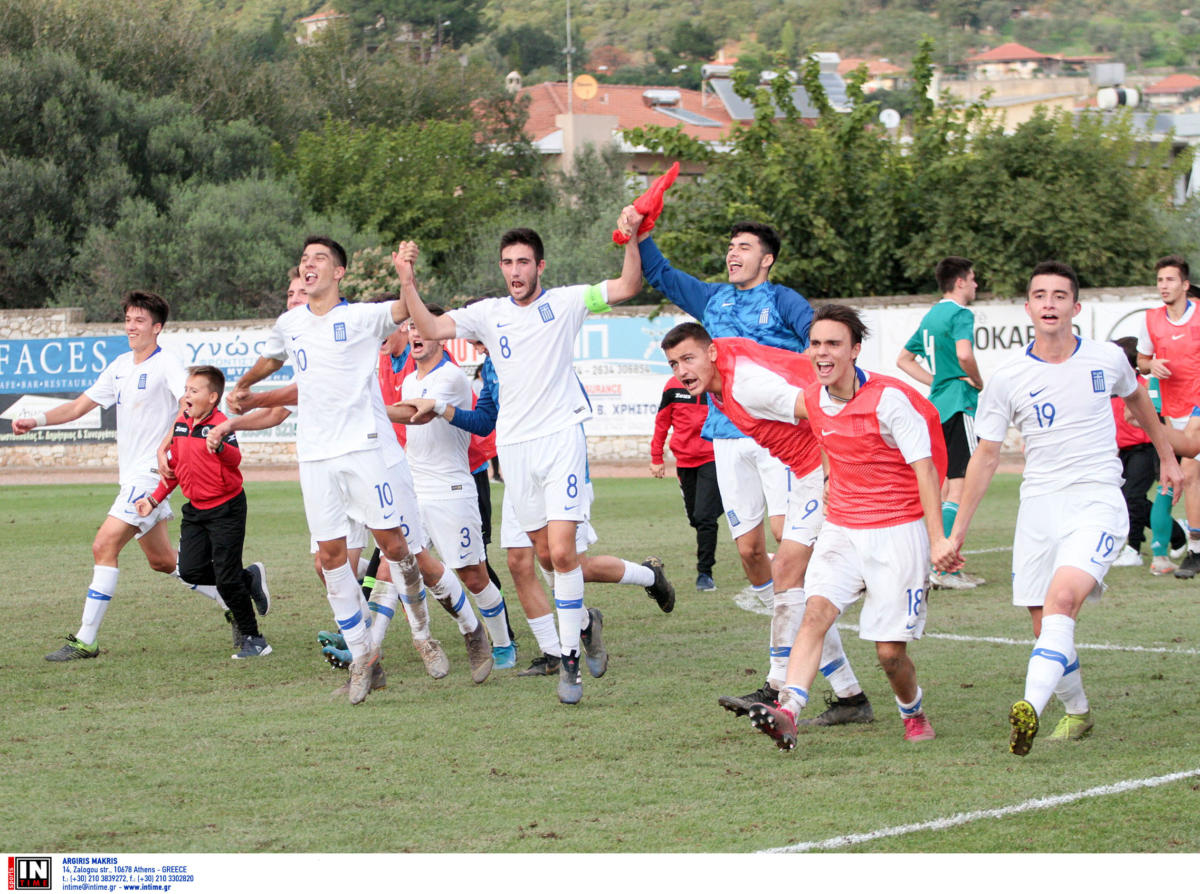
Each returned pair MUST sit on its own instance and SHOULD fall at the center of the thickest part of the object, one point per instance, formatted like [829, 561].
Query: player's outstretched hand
[945, 555]
[658, 470]
[419, 410]
[24, 425]
[404, 259]
[1171, 476]
[239, 400]
[217, 434]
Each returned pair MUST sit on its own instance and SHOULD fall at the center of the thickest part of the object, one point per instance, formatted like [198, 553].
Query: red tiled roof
[626, 103]
[1008, 52]
[1176, 83]
[875, 67]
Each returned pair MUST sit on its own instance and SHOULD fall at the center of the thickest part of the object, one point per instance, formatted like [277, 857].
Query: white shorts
[545, 479]
[512, 537]
[806, 507]
[124, 510]
[356, 537]
[455, 528]
[890, 564]
[358, 487]
[751, 481]
[1082, 528]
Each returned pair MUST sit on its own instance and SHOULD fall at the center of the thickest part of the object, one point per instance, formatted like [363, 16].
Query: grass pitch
[163, 744]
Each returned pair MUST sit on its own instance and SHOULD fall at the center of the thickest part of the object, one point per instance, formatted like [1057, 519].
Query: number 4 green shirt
[946, 323]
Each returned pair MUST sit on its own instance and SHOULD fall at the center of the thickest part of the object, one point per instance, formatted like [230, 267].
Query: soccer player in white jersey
[146, 384]
[333, 347]
[446, 494]
[530, 336]
[1072, 520]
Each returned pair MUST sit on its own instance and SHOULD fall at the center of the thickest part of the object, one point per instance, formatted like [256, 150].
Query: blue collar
[1029, 350]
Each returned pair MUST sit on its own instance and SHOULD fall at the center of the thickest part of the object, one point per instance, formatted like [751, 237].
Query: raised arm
[430, 327]
[263, 367]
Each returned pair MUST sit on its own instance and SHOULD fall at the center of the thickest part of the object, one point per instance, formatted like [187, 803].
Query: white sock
[568, 600]
[789, 612]
[382, 609]
[495, 614]
[793, 698]
[1070, 690]
[100, 593]
[835, 666]
[547, 575]
[406, 577]
[203, 589]
[638, 575]
[1193, 540]
[765, 592]
[1052, 654]
[545, 631]
[344, 595]
[453, 598]
[913, 708]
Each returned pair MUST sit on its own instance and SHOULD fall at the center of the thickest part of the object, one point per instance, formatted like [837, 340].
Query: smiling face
[1051, 304]
[198, 397]
[695, 365]
[522, 274]
[320, 271]
[141, 329]
[833, 352]
[747, 261]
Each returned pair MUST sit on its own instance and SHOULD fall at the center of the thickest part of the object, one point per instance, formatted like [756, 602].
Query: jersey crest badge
[339, 331]
[1098, 381]
[547, 312]
[733, 519]
[142, 382]
[764, 316]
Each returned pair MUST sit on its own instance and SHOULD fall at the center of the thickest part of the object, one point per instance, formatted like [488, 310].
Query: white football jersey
[532, 349]
[334, 357]
[437, 451]
[1063, 412]
[147, 398]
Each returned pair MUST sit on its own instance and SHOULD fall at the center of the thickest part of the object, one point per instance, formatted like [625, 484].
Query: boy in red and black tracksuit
[213, 529]
[695, 468]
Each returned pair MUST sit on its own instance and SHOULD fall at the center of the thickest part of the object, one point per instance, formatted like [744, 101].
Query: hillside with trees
[185, 147]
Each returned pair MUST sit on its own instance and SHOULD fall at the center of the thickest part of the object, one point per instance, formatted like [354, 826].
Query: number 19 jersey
[1062, 411]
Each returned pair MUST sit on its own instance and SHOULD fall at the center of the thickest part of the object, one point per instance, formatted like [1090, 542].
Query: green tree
[215, 250]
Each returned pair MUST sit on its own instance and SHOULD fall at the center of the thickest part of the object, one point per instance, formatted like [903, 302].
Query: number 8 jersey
[1063, 412]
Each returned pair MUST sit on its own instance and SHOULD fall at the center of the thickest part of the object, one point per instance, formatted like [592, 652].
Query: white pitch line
[990, 549]
[1006, 641]
[961, 819]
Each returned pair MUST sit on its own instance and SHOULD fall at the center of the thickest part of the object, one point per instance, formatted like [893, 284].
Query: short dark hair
[150, 302]
[1128, 344]
[1056, 268]
[524, 236]
[212, 375]
[765, 232]
[683, 332]
[293, 273]
[847, 316]
[1174, 261]
[339, 253]
[950, 270]
[383, 297]
[436, 309]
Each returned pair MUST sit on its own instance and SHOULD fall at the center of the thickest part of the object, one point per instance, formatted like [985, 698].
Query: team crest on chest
[339, 331]
[547, 312]
[142, 382]
[764, 316]
[1098, 381]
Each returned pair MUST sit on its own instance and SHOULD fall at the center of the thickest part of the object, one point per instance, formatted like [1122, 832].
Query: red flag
[650, 204]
